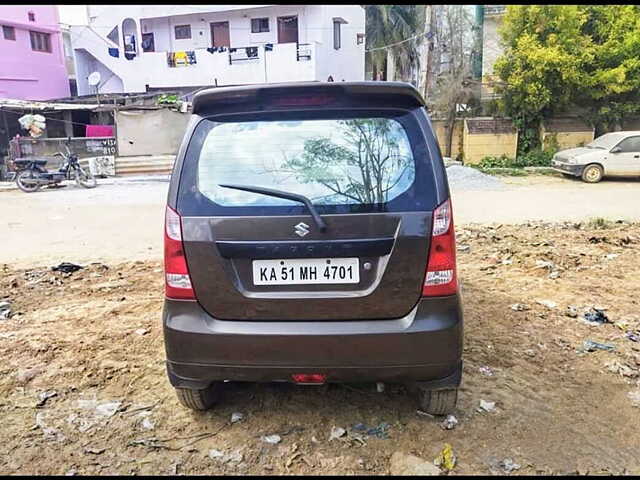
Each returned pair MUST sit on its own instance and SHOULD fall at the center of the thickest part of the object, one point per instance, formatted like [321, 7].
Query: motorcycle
[32, 173]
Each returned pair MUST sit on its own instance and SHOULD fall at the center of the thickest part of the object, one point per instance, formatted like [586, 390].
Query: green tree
[388, 24]
[612, 87]
[543, 63]
[565, 56]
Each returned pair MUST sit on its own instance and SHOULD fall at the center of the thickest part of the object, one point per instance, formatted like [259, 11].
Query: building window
[32, 16]
[8, 32]
[148, 43]
[336, 35]
[40, 42]
[183, 32]
[259, 25]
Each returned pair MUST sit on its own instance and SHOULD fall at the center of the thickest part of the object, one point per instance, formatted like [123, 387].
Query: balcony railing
[241, 54]
[303, 51]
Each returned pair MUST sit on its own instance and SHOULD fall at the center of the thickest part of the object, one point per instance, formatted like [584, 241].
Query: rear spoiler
[307, 94]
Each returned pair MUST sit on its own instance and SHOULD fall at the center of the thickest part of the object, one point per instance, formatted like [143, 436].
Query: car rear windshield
[340, 164]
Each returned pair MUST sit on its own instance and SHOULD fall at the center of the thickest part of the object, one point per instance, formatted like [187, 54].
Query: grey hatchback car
[309, 238]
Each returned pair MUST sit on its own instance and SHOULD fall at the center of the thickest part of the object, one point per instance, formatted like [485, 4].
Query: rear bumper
[425, 346]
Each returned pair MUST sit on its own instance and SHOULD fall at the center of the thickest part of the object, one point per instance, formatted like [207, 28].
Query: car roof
[237, 94]
[628, 133]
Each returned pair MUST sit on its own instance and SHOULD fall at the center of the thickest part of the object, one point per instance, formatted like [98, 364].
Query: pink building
[32, 61]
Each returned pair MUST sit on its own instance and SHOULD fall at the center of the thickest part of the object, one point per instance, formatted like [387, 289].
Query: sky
[73, 14]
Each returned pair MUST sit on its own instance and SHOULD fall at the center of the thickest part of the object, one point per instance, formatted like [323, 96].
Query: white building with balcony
[138, 48]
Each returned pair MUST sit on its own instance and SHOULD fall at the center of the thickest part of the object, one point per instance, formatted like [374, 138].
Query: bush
[534, 158]
[497, 162]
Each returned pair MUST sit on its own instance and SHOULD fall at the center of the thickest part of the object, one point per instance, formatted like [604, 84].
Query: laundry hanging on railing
[114, 52]
[252, 52]
[181, 59]
[216, 49]
[34, 123]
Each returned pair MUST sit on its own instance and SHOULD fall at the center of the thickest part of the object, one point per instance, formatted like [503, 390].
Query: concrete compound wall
[477, 146]
[567, 139]
[440, 129]
[149, 132]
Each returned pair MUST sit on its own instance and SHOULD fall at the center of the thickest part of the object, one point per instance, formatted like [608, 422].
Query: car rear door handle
[636, 156]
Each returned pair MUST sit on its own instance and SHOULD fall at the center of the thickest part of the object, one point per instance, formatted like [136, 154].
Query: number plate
[302, 271]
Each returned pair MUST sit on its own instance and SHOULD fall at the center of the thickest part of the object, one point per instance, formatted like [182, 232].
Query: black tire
[438, 402]
[23, 175]
[85, 178]
[592, 173]
[199, 399]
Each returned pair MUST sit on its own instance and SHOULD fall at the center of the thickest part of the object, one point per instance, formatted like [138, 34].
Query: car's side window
[631, 144]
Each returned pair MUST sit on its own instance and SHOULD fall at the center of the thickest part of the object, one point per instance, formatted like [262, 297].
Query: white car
[612, 154]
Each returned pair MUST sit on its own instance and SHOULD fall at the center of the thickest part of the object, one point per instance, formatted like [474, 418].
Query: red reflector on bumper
[317, 378]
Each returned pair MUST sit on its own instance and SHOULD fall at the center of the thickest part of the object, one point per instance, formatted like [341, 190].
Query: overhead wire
[384, 47]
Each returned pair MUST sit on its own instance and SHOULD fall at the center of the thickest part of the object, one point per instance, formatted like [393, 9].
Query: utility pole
[430, 20]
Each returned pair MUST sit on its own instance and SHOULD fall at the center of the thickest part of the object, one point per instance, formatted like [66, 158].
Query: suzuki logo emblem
[301, 229]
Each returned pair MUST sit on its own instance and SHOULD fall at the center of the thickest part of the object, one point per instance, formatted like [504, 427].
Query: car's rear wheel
[592, 173]
[438, 402]
[199, 399]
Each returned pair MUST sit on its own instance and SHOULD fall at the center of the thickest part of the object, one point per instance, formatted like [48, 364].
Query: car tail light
[441, 276]
[309, 378]
[176, 274]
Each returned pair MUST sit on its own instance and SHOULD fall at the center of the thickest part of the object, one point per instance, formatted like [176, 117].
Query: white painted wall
[239, 27]
[109, 81]
[160, 29]
[315, 26]
[346, 63]
[491, 50]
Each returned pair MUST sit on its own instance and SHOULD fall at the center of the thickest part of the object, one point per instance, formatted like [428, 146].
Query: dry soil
[92, 341]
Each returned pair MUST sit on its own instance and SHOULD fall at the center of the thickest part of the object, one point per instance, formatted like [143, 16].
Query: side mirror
[616, 150]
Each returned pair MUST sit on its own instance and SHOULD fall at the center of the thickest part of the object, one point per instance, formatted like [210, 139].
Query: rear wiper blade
[287, 196]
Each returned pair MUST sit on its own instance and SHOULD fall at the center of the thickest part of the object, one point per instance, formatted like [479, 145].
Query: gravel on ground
[468, 178]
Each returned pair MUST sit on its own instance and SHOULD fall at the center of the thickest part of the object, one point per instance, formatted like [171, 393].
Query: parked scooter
[32, 173]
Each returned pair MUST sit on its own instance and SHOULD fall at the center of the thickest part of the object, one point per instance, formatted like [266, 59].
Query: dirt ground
[122, 220]
[92, 342]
